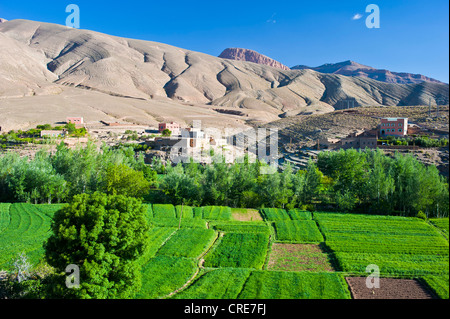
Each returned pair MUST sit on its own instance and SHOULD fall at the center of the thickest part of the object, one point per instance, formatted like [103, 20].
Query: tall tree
[104, 236]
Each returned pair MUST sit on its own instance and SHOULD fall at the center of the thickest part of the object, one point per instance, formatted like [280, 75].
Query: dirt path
[200, 266]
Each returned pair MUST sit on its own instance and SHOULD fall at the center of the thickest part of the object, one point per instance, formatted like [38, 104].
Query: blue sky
[413, 35]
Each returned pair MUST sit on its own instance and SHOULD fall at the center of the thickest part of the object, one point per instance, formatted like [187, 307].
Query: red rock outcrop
[250, 56]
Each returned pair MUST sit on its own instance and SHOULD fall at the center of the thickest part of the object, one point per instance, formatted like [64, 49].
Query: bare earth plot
[298, 257]
[390, 288]
[245, 215]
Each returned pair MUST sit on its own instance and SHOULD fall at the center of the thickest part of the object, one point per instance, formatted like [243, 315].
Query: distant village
[170, 140]
[391, 135]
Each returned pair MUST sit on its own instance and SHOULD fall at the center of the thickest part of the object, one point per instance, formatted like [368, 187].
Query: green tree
[313, 180]
[123, 180]
[181, 188]
[105, 236]
[166, 132]
[71, 128]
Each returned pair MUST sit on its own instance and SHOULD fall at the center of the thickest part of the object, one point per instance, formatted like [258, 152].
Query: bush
[421, 215]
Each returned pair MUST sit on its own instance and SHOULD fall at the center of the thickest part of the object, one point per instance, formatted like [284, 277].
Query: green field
[188, 211]
[188, 242]
[294, 285]
[24, 228]
[398, 245]
[164, 211]
[175, 222]
[438, 284]
[273, 214]
[157, 237]
[441, 224]
[162, 275]
[217, 213]
[297, 231]
[224, 283]
[241, 227]
[239, 250]
[212, 256]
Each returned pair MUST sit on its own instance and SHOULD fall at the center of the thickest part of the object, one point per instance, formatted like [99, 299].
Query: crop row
[241, 227]
[187, 212]
[397, 245]
[157, 237]
[188, 242]
[4, 216]
[231, 283]
[441, 224]
[175, 222]
[26, 231]
[398, 264]
[275, 214]
[297, 231]
[162, 275]
[239, 250]
[439, 284]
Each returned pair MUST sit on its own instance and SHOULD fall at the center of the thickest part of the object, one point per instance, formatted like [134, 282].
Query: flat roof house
[367, 139]
[172, 126]
[52, 133]
[397, 126]
[75, 120]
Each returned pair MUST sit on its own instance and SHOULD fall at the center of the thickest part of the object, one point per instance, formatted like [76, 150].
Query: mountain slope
[46, 59]
[351, 68]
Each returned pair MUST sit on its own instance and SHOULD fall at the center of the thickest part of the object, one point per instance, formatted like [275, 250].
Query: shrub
[421, 215]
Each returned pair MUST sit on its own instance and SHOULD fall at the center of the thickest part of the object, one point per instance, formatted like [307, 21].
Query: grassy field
[188, 242]
[175, 222]
[217, 213]
[398, 245]
[162, 275]
[223, 283]
[164, 211]
[441, 224]
[157, 237]
[297, 231]
[294, 285]
[24, 228]
[239, 250]
[241, 227]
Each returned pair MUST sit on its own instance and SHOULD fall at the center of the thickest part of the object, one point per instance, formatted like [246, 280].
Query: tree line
[348, 180]
[55, 178]
[358, 181]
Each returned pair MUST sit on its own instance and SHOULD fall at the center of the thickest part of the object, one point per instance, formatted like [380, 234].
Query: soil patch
[298, 257]
[390, 288]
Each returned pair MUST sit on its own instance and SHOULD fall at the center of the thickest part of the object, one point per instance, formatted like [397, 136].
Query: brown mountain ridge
[50, 70]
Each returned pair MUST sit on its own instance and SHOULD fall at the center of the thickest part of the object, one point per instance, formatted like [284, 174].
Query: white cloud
[272, 19]
[357, 16]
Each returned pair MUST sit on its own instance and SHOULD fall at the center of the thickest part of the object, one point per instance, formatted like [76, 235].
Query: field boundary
[439, 230]
[199, 267]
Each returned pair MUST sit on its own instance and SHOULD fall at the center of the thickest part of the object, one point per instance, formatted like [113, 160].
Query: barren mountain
[44, 64]
[351, 68]
[251, 56]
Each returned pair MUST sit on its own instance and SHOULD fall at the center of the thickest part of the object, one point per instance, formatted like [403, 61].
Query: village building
[394, 127]
[53, 133]
[366, 139]
[175, 128]
[75, 120]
